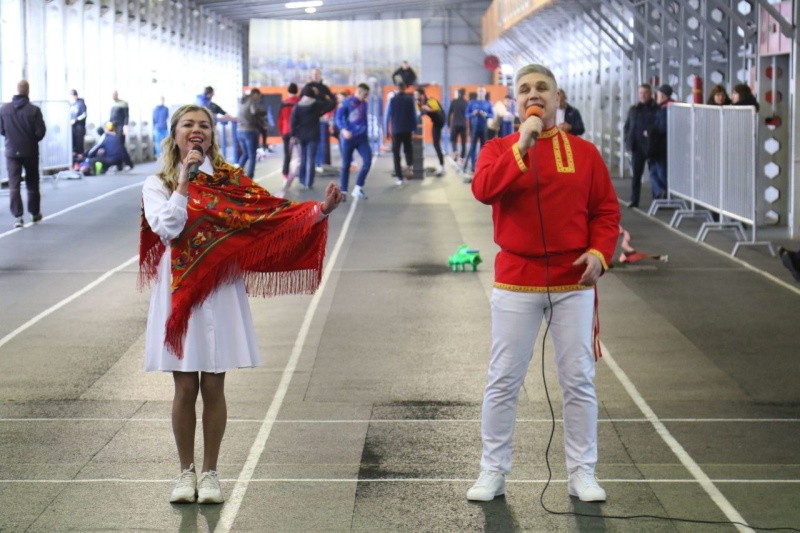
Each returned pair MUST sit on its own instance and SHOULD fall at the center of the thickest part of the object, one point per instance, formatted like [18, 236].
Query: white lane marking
[683, 456]
[47, 312]
[417, 420]
[394, 480]
[76, 206]
[717, 251]
[231, 509]
[91, 285]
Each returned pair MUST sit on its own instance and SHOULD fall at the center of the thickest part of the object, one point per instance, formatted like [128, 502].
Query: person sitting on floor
[108, 151]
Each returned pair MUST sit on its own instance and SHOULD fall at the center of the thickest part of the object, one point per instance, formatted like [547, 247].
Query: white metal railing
[711, 165]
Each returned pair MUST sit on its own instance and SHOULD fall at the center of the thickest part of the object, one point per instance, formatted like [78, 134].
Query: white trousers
[516, 320]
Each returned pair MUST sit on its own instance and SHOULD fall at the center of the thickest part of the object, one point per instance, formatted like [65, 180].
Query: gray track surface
[379, 427]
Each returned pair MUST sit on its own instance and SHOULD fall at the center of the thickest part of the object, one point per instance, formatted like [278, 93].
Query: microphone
[534, 111]
[194, 168]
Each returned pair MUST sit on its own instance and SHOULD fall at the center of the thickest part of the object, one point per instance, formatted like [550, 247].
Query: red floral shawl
[235, 228]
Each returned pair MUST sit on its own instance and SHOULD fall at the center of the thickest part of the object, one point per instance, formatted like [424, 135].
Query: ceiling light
[311, 10]
[307, 3]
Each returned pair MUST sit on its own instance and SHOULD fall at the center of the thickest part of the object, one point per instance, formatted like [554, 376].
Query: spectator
[567, 117]
[323, 92]
[457, 122]
[217, 112]
[405, 74]
[742, 95]
[479, 111]
[108, 151]
[251, 119]
[351, 120]
[433, 109]
[22, 124]
[718, 96]
[657, 135]
[400, 123]
[264, 131]
[502, 113]
[285, 127]
[641, 117]
[160, 127]
[77, 113]
[305, 126]
[199, 324]
[119, 118]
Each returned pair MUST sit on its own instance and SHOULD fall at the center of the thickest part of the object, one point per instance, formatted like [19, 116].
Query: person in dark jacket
[641, 117]
[400, 123]
[108, 151]
[457, 122]
[742, 95]
[22, 124]
[657, 146]
[323, 91]
[252, 118]
[305, 127]
[405, 74]
[77, 114]
[567, 117]
[119, 118]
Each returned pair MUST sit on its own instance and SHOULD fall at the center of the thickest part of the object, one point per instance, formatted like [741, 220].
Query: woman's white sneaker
[184, 491]
[208, 490]
[583, 485]
[489, 485]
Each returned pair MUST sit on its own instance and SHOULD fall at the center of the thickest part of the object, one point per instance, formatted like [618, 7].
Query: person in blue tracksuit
[160, 126]
[478, 112]
[351, 119]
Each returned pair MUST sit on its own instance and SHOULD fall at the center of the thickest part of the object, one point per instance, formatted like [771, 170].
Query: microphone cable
[553, 416]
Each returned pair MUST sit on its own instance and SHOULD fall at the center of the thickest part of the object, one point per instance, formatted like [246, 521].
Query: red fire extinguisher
[697, 90]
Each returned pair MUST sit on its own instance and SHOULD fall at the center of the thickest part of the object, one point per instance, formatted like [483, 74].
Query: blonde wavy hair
[171, 154]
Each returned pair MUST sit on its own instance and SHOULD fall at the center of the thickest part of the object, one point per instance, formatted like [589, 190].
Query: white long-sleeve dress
[221, 335]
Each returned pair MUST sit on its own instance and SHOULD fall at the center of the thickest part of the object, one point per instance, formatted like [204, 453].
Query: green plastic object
[465, 256]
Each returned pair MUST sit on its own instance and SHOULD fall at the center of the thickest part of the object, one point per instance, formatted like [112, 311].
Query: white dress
[221, 334]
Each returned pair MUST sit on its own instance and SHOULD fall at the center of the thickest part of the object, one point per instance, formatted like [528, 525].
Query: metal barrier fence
[711, 164]
[55, 150]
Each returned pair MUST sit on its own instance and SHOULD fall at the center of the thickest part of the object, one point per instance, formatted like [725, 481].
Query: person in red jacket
[556, 220]
[285, 128]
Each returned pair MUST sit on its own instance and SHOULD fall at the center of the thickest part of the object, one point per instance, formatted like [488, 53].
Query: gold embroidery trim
[570, 167]
[522, 166]
[600, 256]
[526, 288]
[546, 134]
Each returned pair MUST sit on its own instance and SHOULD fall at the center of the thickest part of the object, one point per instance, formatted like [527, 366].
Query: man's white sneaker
[358, 192]
[583, 485]
[184, 491]
[440, 171]
[399, 181]
[489, 485]
[208, 490]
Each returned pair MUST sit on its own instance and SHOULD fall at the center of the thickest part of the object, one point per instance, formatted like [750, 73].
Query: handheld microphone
[534, 111]
[194, 168]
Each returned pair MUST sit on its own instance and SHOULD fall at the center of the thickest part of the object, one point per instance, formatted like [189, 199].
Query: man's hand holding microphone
[530, 129]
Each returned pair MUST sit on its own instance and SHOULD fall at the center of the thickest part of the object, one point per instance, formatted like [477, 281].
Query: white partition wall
[144, 49]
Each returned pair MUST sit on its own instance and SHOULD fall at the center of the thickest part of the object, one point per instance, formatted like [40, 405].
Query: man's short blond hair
[534, 68]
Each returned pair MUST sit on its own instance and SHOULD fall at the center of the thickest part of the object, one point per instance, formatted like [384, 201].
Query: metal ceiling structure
[243, 10]
[602, 50]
